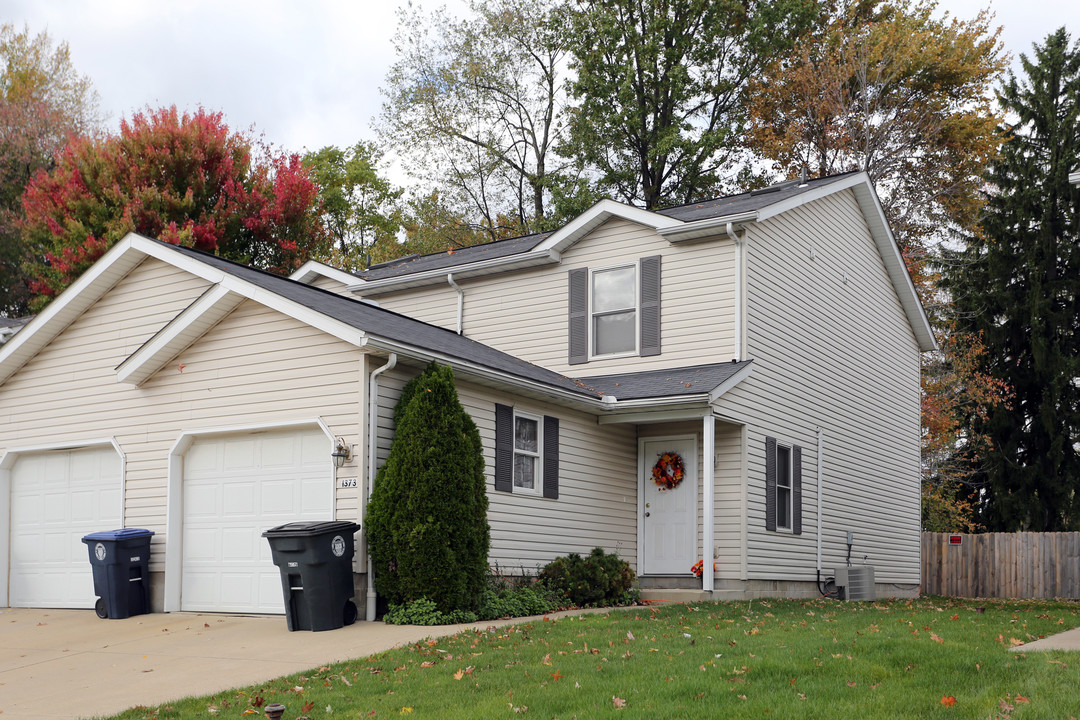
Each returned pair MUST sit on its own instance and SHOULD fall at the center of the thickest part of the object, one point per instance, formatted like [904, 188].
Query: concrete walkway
[67, 664]
[1068, 640]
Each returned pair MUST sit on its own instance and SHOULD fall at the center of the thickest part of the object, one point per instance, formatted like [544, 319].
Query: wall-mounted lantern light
[342, 453]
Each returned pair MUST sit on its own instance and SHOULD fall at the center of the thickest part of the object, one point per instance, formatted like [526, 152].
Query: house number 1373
[348, 482]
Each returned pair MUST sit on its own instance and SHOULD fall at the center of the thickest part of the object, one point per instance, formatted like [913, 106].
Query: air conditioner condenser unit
[856, 582]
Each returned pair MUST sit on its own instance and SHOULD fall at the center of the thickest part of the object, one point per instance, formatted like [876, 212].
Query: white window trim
[790, 488]
[637, 312]
[538, 475]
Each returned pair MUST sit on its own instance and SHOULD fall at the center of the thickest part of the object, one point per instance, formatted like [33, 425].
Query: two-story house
[735, 381]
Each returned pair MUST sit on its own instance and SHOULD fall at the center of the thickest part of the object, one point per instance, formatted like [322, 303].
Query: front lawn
[932, 657]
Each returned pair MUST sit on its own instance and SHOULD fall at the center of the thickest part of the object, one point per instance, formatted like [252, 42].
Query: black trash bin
[121, 563]
[315, 560]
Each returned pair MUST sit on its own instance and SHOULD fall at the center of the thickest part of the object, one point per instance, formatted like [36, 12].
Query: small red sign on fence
[956, 539]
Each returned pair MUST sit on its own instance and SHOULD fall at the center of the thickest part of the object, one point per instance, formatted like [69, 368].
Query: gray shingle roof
[730, 205]
[691, 380]
[436, 261]
[748, 201]
[390, 325]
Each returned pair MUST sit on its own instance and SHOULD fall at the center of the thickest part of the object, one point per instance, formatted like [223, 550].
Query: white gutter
[373, 450]
[820, 452]
[740, 287]
[708, 502]
[460, 301]
[701, 228]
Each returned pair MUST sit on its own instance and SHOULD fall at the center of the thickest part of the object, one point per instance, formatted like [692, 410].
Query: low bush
[425, 612]
[596, 579]
[507, 600]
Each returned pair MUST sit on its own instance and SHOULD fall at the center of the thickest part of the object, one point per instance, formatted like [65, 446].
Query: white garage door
[56, 498]
[235, 487]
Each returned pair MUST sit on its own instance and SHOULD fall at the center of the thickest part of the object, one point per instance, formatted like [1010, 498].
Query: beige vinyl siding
[840, 356]
[597, 504]
[255, 367]
[525, 312]
[327, 283]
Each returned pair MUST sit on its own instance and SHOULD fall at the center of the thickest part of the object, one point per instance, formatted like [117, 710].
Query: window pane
[525, 432]
[783, 507]
[524, 471]
[614, 333]
[783, 467]
[613, 290]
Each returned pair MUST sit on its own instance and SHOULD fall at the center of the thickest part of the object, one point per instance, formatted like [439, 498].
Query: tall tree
[660, 94]
[183, 178]
[474, 108]
[890, 88]
[1019, 285]
[43, 101]
[358, 206]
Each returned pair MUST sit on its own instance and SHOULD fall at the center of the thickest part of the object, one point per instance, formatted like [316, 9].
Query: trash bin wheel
[350, 612]
[100, 609]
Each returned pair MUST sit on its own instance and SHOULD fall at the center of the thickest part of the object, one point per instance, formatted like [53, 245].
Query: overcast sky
[305, 74]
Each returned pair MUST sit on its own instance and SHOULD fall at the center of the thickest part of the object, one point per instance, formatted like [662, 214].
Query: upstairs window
[614, 311]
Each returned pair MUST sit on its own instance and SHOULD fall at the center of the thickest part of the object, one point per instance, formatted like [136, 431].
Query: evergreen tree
[1018, 283]
[427, 519]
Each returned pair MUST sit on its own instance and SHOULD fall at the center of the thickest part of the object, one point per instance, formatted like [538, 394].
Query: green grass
[759, 659]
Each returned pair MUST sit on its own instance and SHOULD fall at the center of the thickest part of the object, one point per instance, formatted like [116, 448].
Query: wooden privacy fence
[1004, 565]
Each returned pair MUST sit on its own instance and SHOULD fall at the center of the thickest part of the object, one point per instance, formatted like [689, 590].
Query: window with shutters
[528, 439]
[613, 306]
[783, 487]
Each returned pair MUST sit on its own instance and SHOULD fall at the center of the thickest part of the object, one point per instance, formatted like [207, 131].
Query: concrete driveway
[66, 664]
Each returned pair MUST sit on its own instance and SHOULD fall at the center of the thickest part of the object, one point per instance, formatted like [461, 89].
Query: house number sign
[348, 482]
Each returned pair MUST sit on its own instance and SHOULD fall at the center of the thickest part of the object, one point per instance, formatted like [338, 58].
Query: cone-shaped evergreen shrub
[427, 526]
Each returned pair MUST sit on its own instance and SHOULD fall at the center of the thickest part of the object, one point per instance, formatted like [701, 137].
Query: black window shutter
[551, 457]
[770, 483]
[504, 448]
[578, 340]
[796, 490]
[650, 306]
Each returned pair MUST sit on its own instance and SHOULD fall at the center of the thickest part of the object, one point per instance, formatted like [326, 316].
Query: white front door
[235, 487]
[56, 498]
[668, 517]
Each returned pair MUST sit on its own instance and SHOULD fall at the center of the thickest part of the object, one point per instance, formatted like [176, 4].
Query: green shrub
[426, 523]
[505, 599]
[597, 579]
[425, 612]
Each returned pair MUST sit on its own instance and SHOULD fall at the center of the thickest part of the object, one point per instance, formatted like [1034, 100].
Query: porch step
[661, 596]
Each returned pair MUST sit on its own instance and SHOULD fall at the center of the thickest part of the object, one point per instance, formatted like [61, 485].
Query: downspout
[709, 511]
[820, 452]
[740, 289]
[460, 301]
[373, 449]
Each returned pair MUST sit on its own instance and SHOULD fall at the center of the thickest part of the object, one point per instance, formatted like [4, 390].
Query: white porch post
[708, 492]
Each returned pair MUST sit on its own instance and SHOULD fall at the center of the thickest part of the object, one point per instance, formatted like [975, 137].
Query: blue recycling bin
[315, 561]
[121, 563]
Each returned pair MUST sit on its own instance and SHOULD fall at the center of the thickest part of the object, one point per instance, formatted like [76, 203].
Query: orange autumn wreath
[668, 471]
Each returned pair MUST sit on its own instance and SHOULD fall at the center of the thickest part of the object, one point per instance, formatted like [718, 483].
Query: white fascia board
[313, 269]
[117, 262]
[183, 330]
[708, 227]
[659, 415]
[731, 382]
[1074, 177]
[597, 215]
[531, 258]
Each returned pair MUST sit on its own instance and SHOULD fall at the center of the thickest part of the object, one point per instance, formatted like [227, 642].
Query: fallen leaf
[459, 674]
[936, 638]
[948, 700]
[547, 659]
[1021, 699]
[618, 702]
[406, 711]
[427, 663]
[955, 617]
[1014, 642]
[629, 635]
[307, 707]
[557, 675]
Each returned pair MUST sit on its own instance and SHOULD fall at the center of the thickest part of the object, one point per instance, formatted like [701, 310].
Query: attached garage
[235, 487]
[56, 498]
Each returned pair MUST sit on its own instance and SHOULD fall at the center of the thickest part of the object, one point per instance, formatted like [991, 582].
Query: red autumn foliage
[185, 179]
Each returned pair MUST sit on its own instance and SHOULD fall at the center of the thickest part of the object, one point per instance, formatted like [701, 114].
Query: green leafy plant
[597, 579]
[425, 612]
[427, 520]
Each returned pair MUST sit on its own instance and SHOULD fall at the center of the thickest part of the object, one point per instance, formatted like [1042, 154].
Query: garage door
[235, 487]
[56, 498]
